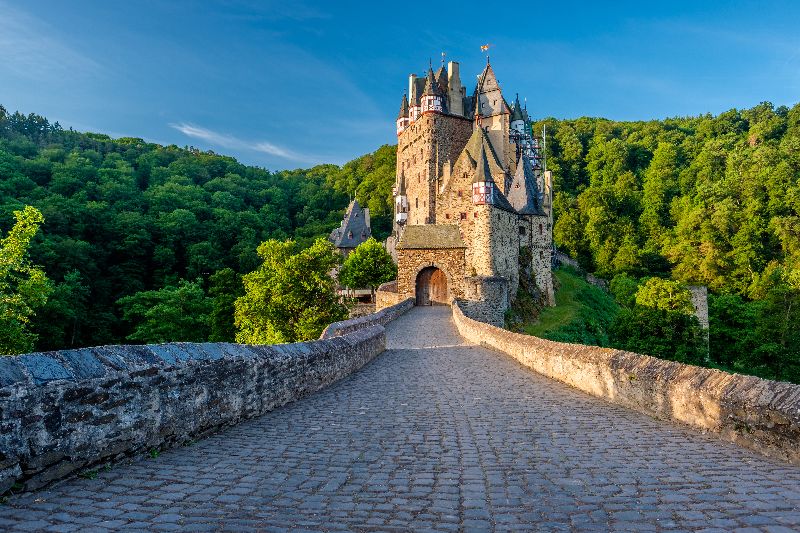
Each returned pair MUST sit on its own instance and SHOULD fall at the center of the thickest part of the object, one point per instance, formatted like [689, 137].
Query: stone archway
[431, 287]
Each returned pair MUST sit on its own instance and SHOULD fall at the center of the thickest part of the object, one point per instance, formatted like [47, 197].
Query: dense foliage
[24, 287]
[291, 296]
[123, 217]
[369, 265]
[713, 200]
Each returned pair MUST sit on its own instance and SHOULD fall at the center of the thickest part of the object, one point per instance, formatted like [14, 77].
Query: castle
[473, 204]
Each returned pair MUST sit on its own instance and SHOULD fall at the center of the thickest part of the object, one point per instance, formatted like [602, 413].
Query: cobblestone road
[433, 435]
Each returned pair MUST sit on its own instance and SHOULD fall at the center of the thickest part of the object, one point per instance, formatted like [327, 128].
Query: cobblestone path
[433, 435]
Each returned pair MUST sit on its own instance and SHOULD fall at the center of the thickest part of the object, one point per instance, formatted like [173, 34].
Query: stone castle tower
[471, 196]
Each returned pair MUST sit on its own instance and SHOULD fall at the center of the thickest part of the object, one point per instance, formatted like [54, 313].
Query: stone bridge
[435, 434]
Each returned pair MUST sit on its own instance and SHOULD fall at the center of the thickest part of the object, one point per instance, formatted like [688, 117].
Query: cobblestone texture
[433, 435]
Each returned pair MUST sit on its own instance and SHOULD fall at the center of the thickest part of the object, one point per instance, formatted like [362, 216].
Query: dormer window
[349, 234]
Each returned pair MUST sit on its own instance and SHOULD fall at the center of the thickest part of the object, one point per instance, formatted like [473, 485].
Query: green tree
[173, 313]
[664, 294]
[369, 265]
[225, 286]
[24, 287]
[291, 297]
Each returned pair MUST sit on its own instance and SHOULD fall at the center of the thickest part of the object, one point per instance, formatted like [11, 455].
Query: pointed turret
[432, 99]
[524, 194]
[403, 117]
[516, 113]
[483, 185]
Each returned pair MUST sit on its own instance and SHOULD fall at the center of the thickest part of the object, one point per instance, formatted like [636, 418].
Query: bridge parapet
[382, 317]
[760, 414]
[62, 412]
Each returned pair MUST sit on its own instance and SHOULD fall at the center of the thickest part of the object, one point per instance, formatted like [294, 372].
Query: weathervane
[443, 54]
[485, 48]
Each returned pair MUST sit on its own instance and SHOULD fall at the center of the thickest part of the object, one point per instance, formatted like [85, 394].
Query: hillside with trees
[130, 225]
[137, 235]
[711, 200]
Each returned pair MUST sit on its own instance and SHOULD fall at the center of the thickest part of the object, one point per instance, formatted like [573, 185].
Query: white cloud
[229, 141]
[29, 49]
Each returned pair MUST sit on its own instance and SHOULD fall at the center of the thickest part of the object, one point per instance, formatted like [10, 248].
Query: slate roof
[403, 108]
[353, 230]
[523, 194]
[431, 236]
[431, 87]
[441, 78]
[481, 153]
[517, 111]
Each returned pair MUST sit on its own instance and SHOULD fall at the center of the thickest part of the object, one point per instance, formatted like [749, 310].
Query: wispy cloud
[229, 141]
[29, 48]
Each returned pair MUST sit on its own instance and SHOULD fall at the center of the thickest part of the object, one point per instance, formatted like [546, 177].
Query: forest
[711, 200]
[131, 226]
[148, 243]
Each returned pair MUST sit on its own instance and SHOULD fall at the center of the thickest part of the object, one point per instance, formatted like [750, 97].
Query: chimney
[454, 89]
[366, 218]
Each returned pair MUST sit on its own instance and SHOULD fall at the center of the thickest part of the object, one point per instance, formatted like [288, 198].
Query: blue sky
[285, 84]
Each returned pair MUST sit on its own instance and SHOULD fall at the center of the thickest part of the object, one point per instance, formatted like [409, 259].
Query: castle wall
[411, 261]
[486, 299]
[538, 238]
[425, 151]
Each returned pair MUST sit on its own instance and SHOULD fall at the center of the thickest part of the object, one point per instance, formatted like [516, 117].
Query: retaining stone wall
[387, 295]
[62, 412]
[381, 317]
[756, 413]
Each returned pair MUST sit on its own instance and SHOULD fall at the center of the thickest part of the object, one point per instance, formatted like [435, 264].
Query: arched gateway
[431, 287]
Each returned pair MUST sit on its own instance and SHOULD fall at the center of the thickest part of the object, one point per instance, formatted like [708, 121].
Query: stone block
[84, 364]
[11, 371]
[43, 368]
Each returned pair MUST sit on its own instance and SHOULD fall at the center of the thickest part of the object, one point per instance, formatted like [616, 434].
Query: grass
[567, 306]
[583, 313]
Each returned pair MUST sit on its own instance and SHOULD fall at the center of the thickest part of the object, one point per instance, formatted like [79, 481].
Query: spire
[482, 171]
[431, 87]
[523, 194]
[517, 112]
[403, 108]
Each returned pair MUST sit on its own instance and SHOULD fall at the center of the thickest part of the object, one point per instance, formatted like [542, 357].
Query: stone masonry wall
[380, 317]
[387, 296]
[61, 412]
[753, 412]
[411, 261]
[486, 299]
[424, 150]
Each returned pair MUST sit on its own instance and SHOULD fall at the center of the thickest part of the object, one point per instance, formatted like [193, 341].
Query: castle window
[447, 216]
[475, 214]
[460, 194]
[522, 230]
[463, 216]
[417, 203]
[540, 229]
